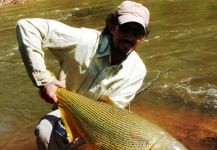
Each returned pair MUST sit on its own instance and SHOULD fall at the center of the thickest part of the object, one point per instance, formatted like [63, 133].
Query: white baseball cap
[129, 11]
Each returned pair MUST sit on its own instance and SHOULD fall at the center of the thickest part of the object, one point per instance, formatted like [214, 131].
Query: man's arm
[124, 94]
[30, 40]
[35, 34]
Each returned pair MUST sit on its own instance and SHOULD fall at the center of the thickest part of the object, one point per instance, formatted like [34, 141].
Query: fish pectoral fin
[65, 123]
[72, 134]
[107, 100]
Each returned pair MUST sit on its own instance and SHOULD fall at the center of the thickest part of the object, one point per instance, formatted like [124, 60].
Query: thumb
[58, 83]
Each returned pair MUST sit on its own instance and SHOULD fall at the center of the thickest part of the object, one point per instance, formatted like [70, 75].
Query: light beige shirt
[84, 57]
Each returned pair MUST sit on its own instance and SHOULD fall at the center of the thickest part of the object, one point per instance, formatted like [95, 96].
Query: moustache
[128, 42]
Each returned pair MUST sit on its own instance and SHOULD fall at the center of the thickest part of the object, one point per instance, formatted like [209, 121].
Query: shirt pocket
[86, 84]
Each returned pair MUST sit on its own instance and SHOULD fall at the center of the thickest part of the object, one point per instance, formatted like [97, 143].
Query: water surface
[182, 45]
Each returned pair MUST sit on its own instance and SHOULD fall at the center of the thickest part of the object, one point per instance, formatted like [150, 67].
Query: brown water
[182, 45]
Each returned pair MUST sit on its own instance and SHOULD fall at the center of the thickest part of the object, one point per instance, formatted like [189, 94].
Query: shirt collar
[104, 49]
[104, 46]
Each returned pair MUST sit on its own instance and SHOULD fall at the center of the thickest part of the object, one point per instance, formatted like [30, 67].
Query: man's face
[126, 37]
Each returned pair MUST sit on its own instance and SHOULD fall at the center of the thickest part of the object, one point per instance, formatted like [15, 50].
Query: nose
[131, 36]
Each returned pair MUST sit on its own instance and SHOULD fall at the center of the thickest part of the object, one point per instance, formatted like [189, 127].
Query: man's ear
[111, 27]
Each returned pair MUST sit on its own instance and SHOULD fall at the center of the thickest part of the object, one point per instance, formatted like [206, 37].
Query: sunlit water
[182, 45]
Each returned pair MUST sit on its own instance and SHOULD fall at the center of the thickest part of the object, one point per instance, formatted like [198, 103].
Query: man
[91, 63]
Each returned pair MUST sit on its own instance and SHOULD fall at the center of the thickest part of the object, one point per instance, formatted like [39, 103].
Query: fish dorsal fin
[107, 100]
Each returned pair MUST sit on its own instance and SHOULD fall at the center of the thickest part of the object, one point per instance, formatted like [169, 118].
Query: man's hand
[47, 92]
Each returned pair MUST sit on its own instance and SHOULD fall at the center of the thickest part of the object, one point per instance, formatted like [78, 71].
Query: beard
[127, 47]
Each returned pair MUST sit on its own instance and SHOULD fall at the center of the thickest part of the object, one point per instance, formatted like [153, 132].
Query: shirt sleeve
[132, 75]
[34, 35]
[124, 94]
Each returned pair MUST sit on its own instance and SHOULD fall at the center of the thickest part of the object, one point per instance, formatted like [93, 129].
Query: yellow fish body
[103, 126]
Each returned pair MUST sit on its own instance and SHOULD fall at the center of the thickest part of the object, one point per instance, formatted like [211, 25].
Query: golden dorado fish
[103, 126]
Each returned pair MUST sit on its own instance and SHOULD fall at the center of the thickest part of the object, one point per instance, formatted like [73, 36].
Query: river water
[182, 46]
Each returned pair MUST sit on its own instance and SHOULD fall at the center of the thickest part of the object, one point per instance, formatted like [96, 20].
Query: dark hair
[112, 18]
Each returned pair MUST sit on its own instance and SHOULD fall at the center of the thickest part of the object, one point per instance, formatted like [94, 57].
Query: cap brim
[131, 18]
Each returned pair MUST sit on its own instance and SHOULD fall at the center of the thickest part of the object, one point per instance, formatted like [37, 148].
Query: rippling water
[182, 45]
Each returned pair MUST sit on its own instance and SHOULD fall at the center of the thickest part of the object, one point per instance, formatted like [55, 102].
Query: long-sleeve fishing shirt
[84, 58]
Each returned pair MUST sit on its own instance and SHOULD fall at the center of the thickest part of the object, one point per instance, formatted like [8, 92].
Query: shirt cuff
[42, 78]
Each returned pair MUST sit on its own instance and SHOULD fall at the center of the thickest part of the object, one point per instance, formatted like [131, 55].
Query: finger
[51, 92]
[55, 99]
[58, 83]
[45, 97]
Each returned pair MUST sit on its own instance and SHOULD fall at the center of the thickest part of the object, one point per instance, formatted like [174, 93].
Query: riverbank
[12, 2]
[183, 101]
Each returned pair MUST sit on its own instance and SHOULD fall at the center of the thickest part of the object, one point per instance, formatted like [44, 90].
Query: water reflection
[182, 44]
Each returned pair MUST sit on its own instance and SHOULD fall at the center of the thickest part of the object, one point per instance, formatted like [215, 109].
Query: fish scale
[108, 127]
